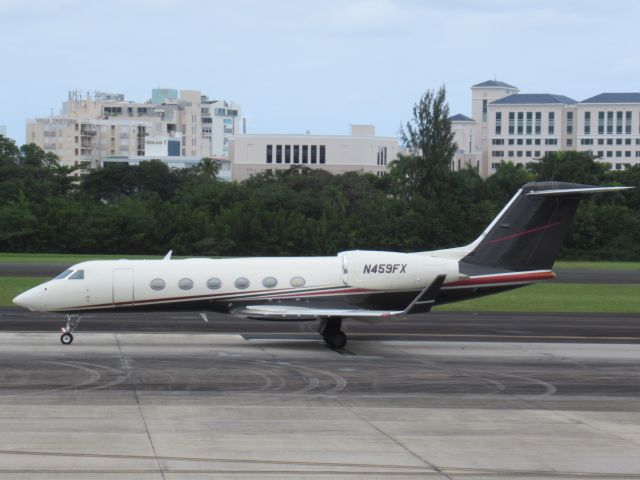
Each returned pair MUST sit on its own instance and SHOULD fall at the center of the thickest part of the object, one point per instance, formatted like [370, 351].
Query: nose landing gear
[72, 322]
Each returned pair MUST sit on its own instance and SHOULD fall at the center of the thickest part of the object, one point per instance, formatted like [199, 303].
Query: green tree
[429, 141]
[569, 166]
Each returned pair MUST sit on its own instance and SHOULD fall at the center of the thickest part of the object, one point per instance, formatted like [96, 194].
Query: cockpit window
[63, 274]
[78, 275]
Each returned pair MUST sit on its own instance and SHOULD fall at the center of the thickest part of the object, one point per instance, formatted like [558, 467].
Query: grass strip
[556, 297]
[12, 286]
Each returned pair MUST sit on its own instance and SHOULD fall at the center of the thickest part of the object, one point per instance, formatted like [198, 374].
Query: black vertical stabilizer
[529, 233]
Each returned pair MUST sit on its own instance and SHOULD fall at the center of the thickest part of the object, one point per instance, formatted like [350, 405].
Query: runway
[444, 396]
[566, 275]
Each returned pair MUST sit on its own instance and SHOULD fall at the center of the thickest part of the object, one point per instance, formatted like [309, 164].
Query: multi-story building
[360, 151]
[508, 126]
[94, 128]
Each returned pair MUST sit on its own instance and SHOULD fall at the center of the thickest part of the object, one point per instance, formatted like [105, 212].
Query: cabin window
[214, 283]
[157, 284]
[241, 283]
[185, 284]
[297, 282]
[63, 275]
[78, 275]
[269, 282]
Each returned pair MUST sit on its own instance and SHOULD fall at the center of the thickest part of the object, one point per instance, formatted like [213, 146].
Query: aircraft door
[122, 286]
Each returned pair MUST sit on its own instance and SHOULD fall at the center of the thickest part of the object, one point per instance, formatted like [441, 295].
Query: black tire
[337, 341]
[66, 338]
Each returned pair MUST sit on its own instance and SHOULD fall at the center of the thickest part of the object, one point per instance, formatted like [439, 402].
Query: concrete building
[98, 126]
[508, 126]
[360, 151]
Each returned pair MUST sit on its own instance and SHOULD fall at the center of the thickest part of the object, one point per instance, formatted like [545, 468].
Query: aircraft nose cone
[29, 299]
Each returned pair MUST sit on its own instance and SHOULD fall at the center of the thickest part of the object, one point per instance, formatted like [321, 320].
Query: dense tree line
[149, 209]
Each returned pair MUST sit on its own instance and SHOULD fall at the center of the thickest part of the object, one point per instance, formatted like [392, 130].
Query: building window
[619, 123]
[609, 153]
[627, 122]
[287, 154]
[498, 123]
[569, 142]
[627, 141]
[529, 129]
[627, 153]
[497, 153]
[322, 153]
[314, 153]
[600, 123]
[609, 141]
[511, 142]
[484, 110]
[296, 154]
[538, 129]
[520, 123]
[269, 153]
[510, 154]
[618, 153]
[600, 154]
[519, 153]
[519, 141]
[618, 141]
[278, 153]
[305, 154]
[512, 117]
[537, 154]
[527, 141]
[587, 123]
[552, 123]
[569, 123]
[536, 141]
[609, 123]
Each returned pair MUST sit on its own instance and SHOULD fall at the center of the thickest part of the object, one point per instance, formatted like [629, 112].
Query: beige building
[94, 128]
[508, 126]
[360, 151]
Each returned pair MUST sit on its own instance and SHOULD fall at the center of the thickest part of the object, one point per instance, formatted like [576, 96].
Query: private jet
[518, 248]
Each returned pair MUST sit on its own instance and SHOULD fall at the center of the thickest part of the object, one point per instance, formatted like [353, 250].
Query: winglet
[426, 298]
[168, 255]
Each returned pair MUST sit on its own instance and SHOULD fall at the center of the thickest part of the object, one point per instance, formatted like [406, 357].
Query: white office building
[361, 151]
[508, 126]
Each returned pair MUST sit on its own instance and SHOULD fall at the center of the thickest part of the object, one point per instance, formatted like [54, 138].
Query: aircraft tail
[528, 233]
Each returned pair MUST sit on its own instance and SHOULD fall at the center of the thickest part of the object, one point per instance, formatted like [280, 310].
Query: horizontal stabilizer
[574, 191]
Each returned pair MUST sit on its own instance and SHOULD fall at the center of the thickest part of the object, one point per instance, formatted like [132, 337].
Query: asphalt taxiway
[169, 396]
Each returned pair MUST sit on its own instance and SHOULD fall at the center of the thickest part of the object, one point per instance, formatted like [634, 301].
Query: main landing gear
[330, 329]
[72, 322]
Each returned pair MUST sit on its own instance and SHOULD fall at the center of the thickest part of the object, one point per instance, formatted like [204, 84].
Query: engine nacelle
[393, 271]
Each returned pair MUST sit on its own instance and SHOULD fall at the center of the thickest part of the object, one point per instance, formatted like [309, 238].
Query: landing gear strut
[330, 329]
[72, 322]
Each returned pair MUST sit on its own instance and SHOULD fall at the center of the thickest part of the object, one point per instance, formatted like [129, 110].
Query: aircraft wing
[421, 304]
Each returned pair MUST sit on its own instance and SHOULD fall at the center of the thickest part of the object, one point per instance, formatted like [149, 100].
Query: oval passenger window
[297, 282]
[241, 283]
[269, 282]
[185, 284]
[214, 283]
[157, 284]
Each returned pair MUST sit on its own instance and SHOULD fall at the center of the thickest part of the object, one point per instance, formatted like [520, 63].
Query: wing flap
[422, 303]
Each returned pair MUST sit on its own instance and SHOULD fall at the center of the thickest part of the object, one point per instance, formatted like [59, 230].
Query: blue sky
[311, 65]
